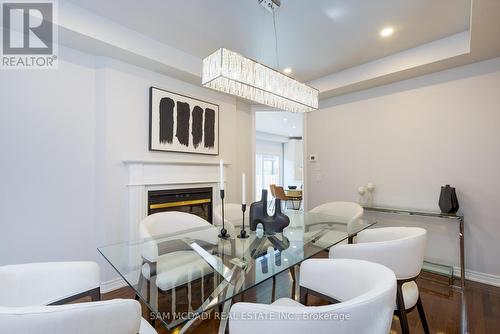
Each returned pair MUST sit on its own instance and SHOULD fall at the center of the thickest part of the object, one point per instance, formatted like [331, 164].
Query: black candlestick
[223, 232]
[243, 234]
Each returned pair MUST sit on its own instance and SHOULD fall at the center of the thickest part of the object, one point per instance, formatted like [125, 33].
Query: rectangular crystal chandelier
[232, 73]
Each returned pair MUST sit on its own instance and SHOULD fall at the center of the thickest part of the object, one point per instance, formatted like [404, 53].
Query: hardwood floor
[442, 306]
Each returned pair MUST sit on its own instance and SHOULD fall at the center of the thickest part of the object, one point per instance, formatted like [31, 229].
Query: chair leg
[95, 294]
[421, 313]
[148, 288]
[303, 296]
[174, 300]
[293, 282]
[292, 273]
[296, 279]
[270, 203]
[190, 306]
[403, 320]
[273, 294]
[153, 298]
[139, 285]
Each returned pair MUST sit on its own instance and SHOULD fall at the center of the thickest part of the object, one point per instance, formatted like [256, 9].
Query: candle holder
[223, 232]
[243, 234]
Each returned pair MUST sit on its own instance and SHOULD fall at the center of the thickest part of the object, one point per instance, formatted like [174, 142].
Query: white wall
[411, 137]
[64, 134]
[47, 152]
[269, 147]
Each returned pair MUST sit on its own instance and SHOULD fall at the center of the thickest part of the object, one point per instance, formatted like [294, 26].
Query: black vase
[448, 202]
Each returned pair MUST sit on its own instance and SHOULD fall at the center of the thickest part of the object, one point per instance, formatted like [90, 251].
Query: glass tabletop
[181, 275]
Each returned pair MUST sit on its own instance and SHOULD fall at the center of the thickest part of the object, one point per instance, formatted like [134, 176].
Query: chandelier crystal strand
[232, 73]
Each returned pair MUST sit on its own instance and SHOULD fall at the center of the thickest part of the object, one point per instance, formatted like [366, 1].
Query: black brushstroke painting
[166, 120]
[197, 126]
[209, 128]
[182, 131]
[179, 123]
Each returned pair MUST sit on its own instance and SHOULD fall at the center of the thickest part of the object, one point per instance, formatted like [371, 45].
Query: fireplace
[148, 177]
[197, 201]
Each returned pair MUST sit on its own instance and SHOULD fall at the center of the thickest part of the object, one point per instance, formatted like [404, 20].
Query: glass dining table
[186, 275]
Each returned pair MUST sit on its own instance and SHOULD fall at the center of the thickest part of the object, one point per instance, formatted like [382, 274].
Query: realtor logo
[29, 35]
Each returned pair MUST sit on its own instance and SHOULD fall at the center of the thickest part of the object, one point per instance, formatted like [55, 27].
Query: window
[267, 172]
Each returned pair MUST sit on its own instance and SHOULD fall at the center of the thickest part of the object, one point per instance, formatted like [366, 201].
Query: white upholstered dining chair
[177, 265]
[366, 292]
[345, 211]
[402, 250]
[32, 297]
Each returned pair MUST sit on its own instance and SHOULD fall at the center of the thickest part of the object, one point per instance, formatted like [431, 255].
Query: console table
[458, 217]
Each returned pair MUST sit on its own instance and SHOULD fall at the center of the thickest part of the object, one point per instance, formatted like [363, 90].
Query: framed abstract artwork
[179, 123]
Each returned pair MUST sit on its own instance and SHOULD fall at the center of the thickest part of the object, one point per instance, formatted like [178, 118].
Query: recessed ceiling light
[285, 119]
[294, 127]
[287, 70]
[336, 14]
[387, 31]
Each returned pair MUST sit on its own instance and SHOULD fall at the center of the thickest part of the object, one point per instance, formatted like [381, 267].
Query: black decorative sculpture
[258, 210]
[272, 224]
[448, 202]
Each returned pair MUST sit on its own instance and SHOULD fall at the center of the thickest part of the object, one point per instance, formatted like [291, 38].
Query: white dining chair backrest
[170, 222]
[56, 280]
[401, 249]
[26, 290]
[346, 211]
[170, 225]
[367, 292]
[117, 316]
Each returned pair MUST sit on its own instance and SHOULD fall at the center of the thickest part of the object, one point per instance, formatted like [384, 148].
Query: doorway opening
[279, 156]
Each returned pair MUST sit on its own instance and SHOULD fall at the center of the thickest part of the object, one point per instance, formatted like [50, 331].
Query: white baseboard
[477, 276]
[114, 284]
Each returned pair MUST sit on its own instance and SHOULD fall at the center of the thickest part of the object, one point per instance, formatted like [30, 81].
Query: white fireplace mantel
[172, 162]
[163, 172]
[150, 174]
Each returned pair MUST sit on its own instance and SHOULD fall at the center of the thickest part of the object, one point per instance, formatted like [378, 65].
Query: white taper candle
[243, 189]
[221, 177]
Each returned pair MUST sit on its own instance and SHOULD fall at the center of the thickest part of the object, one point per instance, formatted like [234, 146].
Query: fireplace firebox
[197, 201]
